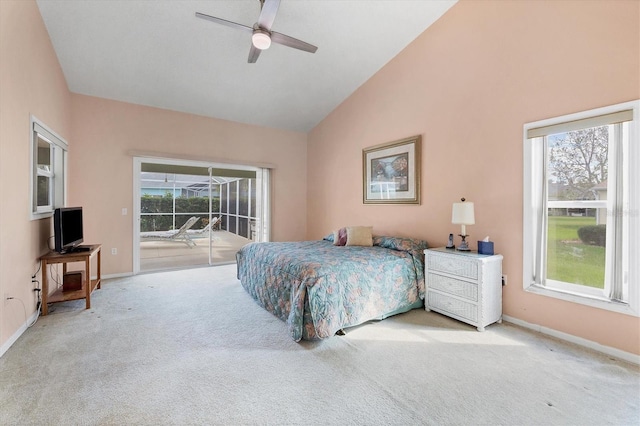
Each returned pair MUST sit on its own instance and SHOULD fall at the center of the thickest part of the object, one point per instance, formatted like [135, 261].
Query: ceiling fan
[261, 34]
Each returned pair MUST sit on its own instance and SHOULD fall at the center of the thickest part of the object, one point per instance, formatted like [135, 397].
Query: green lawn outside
[570, 260]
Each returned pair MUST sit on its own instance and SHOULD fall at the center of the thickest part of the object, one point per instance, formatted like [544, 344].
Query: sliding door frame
[263, 207]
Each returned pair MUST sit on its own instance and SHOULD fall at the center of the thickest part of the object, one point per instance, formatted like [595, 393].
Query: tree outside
[578, 162]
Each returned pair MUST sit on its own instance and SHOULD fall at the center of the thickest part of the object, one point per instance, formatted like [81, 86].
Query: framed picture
[391, 172]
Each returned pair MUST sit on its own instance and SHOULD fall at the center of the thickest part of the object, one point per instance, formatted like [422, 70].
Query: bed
[319, 288]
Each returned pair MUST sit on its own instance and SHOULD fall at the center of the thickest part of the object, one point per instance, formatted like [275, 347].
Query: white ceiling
[157, 53]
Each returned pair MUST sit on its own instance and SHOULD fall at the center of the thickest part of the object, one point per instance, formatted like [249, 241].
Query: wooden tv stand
[88, 285]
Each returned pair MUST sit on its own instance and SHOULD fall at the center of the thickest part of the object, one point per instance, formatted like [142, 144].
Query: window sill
[41, 215]
[608, 305]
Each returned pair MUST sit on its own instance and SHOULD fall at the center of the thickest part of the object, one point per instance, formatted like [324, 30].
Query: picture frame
[391, 172]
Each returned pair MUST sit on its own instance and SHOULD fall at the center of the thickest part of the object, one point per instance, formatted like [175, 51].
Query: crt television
[67, 228]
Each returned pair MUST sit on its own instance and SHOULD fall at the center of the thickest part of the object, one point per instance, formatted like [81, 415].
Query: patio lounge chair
[205, 230]
[181, 235]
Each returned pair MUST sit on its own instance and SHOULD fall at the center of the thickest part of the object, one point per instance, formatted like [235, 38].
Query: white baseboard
[121, 275]
[626, 356]
[5, 347]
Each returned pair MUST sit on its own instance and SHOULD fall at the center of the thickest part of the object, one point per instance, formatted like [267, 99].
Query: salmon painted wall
[101, 168]
[468, 84]
[31, 82]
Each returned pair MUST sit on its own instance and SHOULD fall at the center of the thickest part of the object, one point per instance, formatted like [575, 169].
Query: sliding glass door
[192, 214]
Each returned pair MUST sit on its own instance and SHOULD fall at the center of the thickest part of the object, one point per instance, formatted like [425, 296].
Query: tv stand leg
[87, 283]
[45, 288]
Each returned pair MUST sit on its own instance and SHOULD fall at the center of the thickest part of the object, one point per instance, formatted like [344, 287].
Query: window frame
[40, 173]
[534, 198]
[57, 173]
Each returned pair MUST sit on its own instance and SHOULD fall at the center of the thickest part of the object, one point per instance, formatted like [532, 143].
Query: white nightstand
[466, 286]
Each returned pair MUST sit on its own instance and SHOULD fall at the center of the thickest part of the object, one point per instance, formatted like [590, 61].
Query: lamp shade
[462, 214]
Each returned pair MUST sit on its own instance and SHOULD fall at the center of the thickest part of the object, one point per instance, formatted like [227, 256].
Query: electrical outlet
[114, 251]
[504, 280]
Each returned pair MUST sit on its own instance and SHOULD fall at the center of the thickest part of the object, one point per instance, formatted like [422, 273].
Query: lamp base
[463, 245]
[450, 244]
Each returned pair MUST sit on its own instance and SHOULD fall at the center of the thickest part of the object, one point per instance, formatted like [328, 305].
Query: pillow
[340, 237]
[359, 236]
[328, 237]
[401, 244]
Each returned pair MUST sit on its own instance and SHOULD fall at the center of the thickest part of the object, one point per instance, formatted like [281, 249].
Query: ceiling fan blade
[268, 13]
[224, 22]
[253, 54]
[292, 42]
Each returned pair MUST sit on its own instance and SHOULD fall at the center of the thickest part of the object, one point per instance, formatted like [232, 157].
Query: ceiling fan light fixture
[261, 39]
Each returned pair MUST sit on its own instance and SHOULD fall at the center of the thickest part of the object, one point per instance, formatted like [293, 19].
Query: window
[48, 170]
[581, 208]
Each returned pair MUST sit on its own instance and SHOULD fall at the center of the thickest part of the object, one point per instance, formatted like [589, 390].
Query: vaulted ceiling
[157, 53]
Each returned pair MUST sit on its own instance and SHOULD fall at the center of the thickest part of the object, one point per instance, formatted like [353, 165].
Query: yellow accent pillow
[359, 236]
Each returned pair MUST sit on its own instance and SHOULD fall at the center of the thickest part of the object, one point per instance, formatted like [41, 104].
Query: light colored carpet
[191, 347]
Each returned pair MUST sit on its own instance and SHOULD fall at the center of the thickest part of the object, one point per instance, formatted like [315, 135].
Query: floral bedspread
[319, 288]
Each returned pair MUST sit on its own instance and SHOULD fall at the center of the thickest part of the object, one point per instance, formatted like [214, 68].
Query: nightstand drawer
[460, 288]
[453, 265]
[453, 306]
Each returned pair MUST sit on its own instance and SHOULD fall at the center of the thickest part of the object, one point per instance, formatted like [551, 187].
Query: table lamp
[462, 214]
